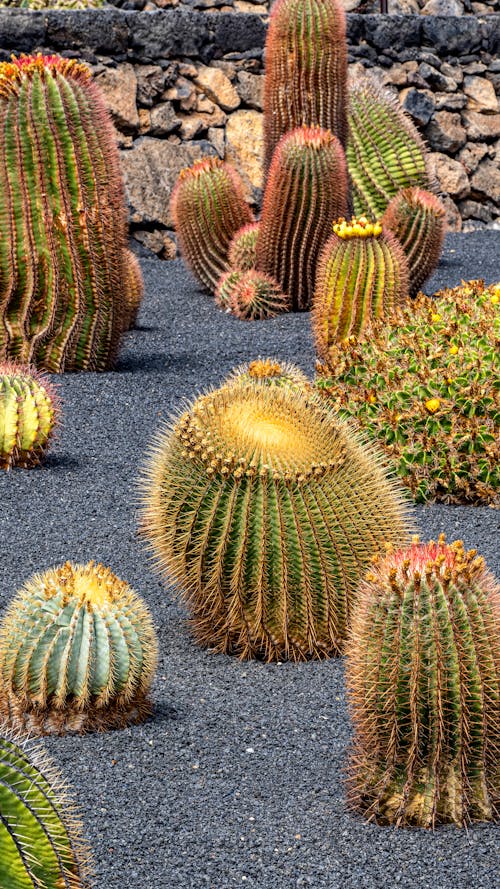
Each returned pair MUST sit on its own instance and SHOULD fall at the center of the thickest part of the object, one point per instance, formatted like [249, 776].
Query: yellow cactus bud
[435, 316]
[453, 350]
[433, 405]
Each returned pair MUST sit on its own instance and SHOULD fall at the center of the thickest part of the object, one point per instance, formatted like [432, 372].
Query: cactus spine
[306, 191]
[242, 250]
[251, 296]
[208, 208]
[306, 70]
[268, 372]
[385, 152]
[29, 410]
[417, 218]
[423, 672]
[362, 274]
[134, 290]
[77, 652]
[265, 508]
[63, 253]
[39, 833]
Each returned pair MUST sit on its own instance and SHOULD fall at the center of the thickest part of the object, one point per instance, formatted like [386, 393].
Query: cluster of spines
[242, 253]
[417, 218]
[251, 295]
[29, 411]
[268, 372]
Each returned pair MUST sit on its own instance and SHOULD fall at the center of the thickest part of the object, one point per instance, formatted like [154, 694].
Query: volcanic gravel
[237, 779]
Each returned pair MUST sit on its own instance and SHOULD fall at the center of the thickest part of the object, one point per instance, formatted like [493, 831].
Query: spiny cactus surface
[417, 218]
[134, 289]
[251, 295]
[268, 372]
[242, 254]
[29, 412]
[265, 509]
[423, 674]
[77, 652]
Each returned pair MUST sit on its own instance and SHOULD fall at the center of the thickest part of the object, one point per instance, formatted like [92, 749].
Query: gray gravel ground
[237, 779]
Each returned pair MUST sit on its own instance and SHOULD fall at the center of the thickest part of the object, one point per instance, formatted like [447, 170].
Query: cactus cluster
[423, 674]
[77, 652]
[29, 411]
[417, 218]
[53, 4]
[424, 384]
[251, 295]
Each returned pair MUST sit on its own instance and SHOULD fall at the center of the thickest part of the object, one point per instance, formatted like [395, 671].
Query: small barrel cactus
[40, 839]
[423, 673]
[77, 652]
[265, 508]
[268, 372]
[251, 296]
[29, 411]
[417, 218]
[306, 70]
[242, 249]
[385, 151]
[305, 193]
[362, 274]
[208, 208]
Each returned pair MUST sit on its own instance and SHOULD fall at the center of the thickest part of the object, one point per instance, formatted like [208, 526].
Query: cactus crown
[357, 227]
[13, 73]
[448, 564]
[268, 372]
[200, 167]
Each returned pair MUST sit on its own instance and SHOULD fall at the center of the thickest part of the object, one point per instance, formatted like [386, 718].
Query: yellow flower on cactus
[453, 350]
[433, 405]
[435, 316]
[372, 399]
[495, 297]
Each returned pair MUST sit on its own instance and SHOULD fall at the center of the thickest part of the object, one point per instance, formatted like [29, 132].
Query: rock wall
[262, 7]
[182, 84]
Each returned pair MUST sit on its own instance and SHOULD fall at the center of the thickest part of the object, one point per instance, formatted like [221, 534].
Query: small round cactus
[29, 410]
[78, 652]
[242, 249]
[423, 673]
[251, 296]
[417, 218]
[40, 841]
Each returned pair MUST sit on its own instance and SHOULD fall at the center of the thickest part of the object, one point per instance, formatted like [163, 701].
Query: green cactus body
[385, 152]
[63, 252]
[251, 295]
[306, 70]
[423, 673]
[242, 254]
[362, 274]
[29, 410]
[208, 208]
[268, 372]
[417, 218]
[39, 835]
[265, 509]
[77, 652]
[305, 193]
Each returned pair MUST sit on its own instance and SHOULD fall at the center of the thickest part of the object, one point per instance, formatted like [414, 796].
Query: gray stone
[104, 32]
[419, 105]
[163, 120]
[119, 86]
[443, 7]
[250, 89]
[22, 29]
[435, 78]
[449, 35]
[481, 126]
[486, 180]
[450, 101]
[474, 210]
[445, 132]
[471, 154]
[151, 81]
[393, 31]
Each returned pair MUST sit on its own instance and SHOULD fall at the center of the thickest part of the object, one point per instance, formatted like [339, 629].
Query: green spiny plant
[385, 152]
[63, 251]
[251, 296]
[423, 674]
[77, 652]
[362, 274]
[40, 836]
[265, 508]
[417, 218]
[242, 255]
[208, 208]
[305, 193]
[268, 372]
[306, 70]
[425, 385]
[29, 411]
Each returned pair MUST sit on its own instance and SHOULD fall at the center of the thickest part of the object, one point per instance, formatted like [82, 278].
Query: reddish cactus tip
[420, 197]
[315, 137]
[27, 65]
[201, 166]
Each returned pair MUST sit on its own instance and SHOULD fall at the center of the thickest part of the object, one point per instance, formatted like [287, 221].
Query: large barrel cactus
[305, 193]
[306, 70]
[417, 218]
[266, 509]
[29, 411]
[64, 265]
[40, 842]
[423, 672]
[77, 652]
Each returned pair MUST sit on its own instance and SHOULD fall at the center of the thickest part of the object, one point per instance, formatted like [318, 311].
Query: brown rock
[451, 175]
[248, 6]
[396, 74]
[481, 126]
[217, 86]
[183, 92]
[144, 121]
[157, 241]
[250, 89]
[150, 83]
[217, 138]
[453, 218]
[453, 71]
[445, 132]
[450, 101]
[480, 95]
[245, 146]
[119, 86]
[164, 120]
[474, 210]
[471, 154]
[486, 180]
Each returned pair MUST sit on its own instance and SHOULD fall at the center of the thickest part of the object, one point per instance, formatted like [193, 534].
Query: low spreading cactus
[29, 409]
[77, 652]
[251, 295]
[423, 674]
[425, 386]
[242, 249]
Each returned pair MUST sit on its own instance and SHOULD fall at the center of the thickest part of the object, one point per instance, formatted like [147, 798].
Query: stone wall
[182, 84]
[394, 7]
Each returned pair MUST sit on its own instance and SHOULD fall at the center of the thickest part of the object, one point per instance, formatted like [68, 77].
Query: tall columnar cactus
[63, 254]
[40, 840]
[306, 70]
[423, 672]
[251, 295]
[362, 274]
[29, 410]
[208, 208]
[265, 509]
[385, 152]
[77, 652]
[305, 192]
[242, 255]
[417, 218]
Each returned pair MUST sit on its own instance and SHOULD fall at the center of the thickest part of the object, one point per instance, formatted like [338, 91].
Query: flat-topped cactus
[29, 412]
[423, 673]
[78, 652]
[417, 218]
[251, 295]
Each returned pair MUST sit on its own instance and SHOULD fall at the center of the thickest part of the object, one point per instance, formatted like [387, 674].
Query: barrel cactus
[63, 252]
[40, 838]
[208, 208]
[362, 274]
[423, 673]
[417, 218]
[242, 253]
[268, 372]
[29, 411]
[305, 192]
[251, 295]
[77, 652]
[266, 509]
[306, 70]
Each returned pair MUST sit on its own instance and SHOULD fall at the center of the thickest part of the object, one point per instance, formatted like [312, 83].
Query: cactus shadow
[164, 712]
[61, 462]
